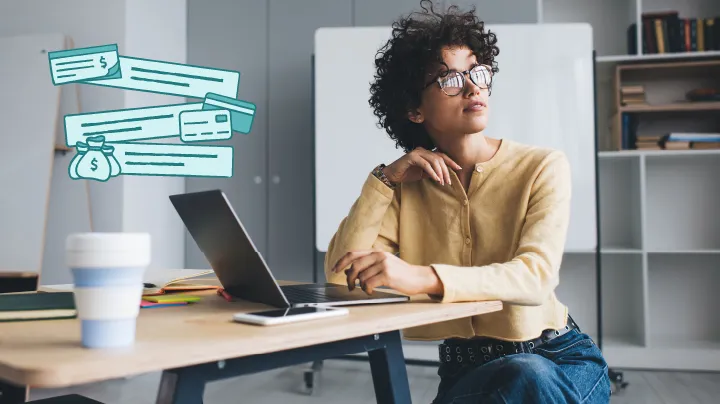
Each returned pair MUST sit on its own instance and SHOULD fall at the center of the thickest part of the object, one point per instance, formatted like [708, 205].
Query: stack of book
[648, 142]
[667, 32]
[684, 141]
[632, 95]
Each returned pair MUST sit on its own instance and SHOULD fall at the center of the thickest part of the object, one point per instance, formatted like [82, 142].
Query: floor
[350, 382]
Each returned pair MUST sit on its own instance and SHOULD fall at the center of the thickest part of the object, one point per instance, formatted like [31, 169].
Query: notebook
[181, 281]
[36, 306]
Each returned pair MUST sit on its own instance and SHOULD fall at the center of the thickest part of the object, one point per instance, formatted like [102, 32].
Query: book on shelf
[692, 137]
[690, 140]
[705, 145]
[675, 141]
[676, 145]
[648, 142]
[632, 95]
[628, 130]
[668, 32]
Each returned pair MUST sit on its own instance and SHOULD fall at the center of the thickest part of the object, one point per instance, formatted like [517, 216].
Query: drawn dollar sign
[94, 165]
[103, 64]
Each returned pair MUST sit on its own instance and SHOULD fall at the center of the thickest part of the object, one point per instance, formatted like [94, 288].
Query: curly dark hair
[414, 52]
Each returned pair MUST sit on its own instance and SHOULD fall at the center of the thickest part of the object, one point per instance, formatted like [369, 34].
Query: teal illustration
[84, 64]
[81, 148]
[242, 113]
[121, 142]
[173, 78]
[114, 164]
[95, 162]
[174, 159]
[127, 124]
[198, 126]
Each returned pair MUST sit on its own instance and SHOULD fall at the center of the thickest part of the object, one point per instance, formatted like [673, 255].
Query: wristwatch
[379, 174]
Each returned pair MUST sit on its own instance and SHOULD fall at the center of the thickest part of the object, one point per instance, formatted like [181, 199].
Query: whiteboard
[542, 95]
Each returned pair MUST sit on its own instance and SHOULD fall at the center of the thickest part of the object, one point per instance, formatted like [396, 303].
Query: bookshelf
[623, 42]
[660, 256]
[659, 237]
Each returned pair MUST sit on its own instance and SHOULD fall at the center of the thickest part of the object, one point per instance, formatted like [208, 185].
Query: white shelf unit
[660, 243]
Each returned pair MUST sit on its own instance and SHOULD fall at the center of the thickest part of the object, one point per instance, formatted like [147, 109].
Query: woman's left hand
[379, 268]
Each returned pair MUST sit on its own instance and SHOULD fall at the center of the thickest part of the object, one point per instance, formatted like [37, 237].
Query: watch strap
[379, 174]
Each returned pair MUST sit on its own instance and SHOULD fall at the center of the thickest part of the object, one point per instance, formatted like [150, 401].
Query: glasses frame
[464, 82]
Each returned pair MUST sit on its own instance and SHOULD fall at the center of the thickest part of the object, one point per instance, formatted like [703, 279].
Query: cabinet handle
[258, 179]
[276, 179]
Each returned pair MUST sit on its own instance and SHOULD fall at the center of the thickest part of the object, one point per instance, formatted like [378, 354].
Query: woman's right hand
[420, 163]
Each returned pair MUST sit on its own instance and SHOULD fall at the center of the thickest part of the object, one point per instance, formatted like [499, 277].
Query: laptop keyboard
[300, 294]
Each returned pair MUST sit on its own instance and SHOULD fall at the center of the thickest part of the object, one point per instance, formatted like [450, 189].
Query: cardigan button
[467, 240]
[465, 202]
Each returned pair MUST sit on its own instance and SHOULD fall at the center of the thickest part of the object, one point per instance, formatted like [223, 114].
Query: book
[668, 32]
[705, 145]
[37, 306]
[172, 299]
[180, 281]
[692, 137]
[677, 145]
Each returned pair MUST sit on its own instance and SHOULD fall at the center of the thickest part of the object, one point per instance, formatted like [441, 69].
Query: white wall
[155, 30]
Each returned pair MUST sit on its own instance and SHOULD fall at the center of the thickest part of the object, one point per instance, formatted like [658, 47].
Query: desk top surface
[48, 353]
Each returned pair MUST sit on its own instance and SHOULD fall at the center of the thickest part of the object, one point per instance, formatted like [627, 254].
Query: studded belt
[482, 350]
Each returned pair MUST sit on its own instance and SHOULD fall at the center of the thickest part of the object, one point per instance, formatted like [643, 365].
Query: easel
[67, 202]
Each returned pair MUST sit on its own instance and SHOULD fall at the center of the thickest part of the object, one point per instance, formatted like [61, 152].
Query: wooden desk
[200, 343]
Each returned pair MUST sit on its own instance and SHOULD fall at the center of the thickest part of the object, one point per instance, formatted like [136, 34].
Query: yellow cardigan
[502, 240]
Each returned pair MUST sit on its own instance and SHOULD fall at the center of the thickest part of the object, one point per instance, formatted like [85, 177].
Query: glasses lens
[481, 76]
[452, 84]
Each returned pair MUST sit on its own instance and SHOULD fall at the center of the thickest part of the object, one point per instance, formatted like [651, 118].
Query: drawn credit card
[198, 126]
[241, 112]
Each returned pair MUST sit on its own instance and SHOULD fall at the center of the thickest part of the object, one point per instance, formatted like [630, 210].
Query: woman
[463, 216]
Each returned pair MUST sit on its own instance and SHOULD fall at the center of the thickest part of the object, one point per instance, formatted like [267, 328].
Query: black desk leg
[387, 363]
[181, 386]
[388, 371]
[12, 394]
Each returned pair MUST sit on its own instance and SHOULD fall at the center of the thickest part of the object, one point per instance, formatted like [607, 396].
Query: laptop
[242, 271]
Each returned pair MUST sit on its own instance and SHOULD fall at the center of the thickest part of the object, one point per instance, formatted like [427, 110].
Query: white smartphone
[291, 315]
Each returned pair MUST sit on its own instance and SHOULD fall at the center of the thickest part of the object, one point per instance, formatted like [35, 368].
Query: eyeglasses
[453, 83]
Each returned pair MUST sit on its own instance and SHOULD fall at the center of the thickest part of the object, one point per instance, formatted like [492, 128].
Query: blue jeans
[567, 369]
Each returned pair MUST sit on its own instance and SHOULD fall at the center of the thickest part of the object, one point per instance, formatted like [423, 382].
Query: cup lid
[107, 242]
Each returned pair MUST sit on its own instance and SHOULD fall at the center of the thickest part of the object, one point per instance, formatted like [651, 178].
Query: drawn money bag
[114, 165]
[94, 164]
[81, 148]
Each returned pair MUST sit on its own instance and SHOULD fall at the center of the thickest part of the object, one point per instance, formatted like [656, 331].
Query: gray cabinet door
[383, 12]
[292, 30]
[232, 34]
[501, 12]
